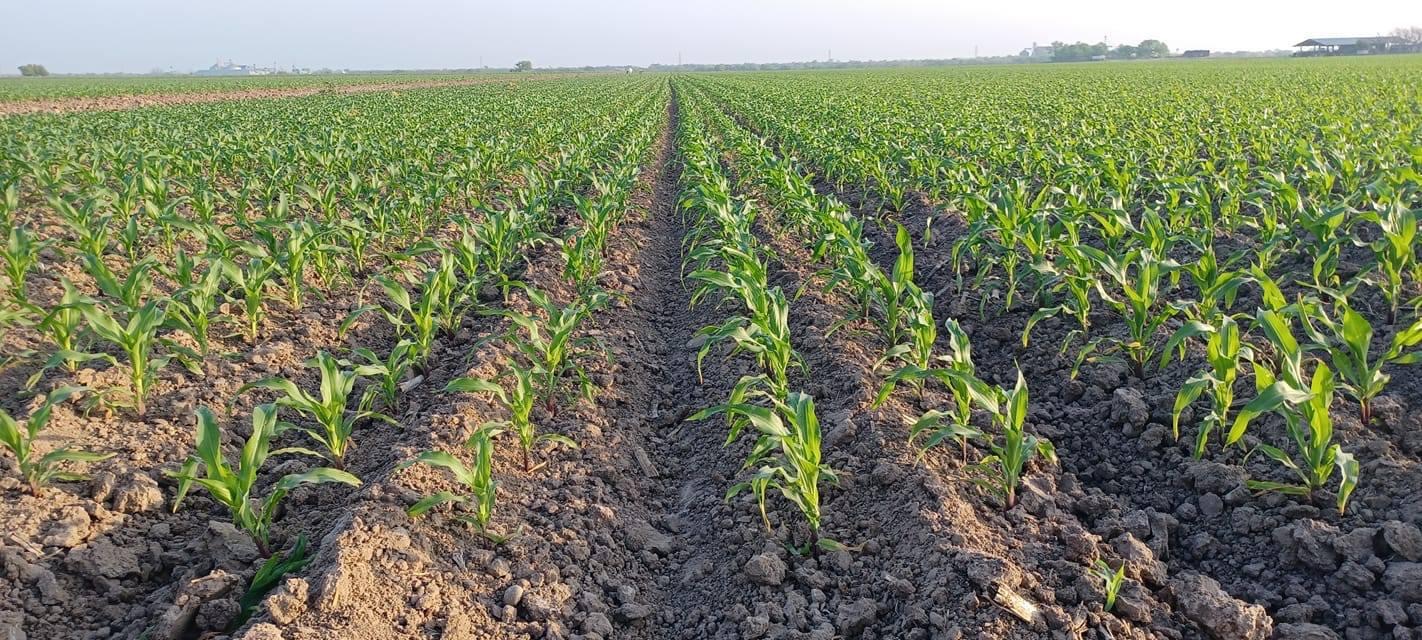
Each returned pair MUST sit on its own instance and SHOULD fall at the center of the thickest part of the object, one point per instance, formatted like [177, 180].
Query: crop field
[1125, 350]
[21, 89]
[77, 93]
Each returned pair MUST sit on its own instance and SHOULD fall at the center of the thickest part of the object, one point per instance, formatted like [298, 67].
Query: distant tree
[1152, 49]
[1125, 51]
[523, 65]
[1412, 35]
[1062, 52]
[33, 70]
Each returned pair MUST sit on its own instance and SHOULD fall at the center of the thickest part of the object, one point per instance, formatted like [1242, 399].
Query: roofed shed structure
[1350, 46]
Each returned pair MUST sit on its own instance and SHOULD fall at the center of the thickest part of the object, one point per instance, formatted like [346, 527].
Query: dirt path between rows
[612, 533]
[663, 321]
[124, 102]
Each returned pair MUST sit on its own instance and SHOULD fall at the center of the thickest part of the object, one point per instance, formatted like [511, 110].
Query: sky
[74, 36]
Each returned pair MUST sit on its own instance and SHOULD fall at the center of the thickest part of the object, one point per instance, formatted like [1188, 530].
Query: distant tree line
[835, 64]
[1063, 52]
[33, 70]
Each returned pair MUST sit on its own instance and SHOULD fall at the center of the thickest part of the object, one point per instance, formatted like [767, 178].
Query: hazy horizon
[91, 36]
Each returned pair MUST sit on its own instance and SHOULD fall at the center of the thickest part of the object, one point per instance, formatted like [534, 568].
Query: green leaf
[1190, 391]
[1279, 487]
[558, 438]
[321, 475]
[1349, 471]
[1191, 329]
[475, 385]
[351, 319]
[429, 502]
[72, 455]
[1038, 316]
[1274, 396]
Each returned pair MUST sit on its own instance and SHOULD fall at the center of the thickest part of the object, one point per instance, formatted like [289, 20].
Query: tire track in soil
[691, 469]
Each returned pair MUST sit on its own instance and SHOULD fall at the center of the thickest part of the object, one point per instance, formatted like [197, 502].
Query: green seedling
[786, 457]
[233, 484]
[519, 400]
[1226, 356]
[1111, 580]
[478, 482]
[332, 411]
[1348, 340]
[38, 471]
[1001, 471]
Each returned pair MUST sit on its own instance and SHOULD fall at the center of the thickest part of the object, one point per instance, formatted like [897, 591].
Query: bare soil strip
[685, 469]
[124, 102]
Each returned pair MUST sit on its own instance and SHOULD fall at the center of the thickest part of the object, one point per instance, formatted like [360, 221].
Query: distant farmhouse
[1038, 52]
[228, 69]
[1362, 46]
[1196, 53]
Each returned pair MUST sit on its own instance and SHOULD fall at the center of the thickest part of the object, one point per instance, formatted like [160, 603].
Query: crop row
[136, 240]
[724, 164]
[27, 89]
[1165, 229]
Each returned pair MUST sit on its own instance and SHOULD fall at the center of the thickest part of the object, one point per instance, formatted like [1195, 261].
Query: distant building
[1367, 45]
[1044, 51]
[228, 69]
[1196, 53]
